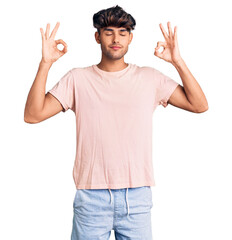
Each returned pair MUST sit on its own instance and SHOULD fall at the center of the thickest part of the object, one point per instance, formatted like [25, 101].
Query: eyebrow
[110, 29]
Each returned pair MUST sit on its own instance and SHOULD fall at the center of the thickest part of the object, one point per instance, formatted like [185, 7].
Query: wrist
[45, 63]
[178, 62]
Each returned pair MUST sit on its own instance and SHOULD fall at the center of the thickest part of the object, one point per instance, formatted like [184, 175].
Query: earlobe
[97, 37]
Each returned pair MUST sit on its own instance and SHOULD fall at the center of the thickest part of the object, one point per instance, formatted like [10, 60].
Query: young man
[113, 103]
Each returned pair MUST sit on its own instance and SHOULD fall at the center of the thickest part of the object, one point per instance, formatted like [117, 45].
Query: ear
[97, 37]
[130, 37]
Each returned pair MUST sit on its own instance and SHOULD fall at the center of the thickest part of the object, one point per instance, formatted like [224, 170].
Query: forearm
[192, 89]
[36, 96]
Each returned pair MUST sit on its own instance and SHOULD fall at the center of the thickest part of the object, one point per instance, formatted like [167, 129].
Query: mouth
[116, 48]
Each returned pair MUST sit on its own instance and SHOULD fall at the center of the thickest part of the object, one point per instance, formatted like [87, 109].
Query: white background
[191, 152]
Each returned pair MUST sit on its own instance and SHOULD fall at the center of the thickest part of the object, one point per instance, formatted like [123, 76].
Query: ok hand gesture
[170, 52]
[50, 52]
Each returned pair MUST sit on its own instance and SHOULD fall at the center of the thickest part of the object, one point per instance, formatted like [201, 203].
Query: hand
[170, 52]
[50, 52]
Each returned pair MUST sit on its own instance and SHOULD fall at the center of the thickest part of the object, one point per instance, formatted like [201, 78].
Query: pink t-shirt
[114, 123]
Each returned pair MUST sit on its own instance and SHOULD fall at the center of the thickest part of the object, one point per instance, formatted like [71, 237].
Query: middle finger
[170, 29]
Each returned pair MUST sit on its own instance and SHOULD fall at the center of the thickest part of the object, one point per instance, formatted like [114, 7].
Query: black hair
[114, 16]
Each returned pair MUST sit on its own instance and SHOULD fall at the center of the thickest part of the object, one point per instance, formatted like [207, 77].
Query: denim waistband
[111, 198]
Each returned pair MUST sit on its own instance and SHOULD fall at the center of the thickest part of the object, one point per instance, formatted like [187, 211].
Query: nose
[116, 38]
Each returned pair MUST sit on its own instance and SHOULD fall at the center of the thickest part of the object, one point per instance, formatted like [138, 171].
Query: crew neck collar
[111, 73]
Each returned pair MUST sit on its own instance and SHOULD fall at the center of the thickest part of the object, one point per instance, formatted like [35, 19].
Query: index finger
[163, 31]
[55, 30]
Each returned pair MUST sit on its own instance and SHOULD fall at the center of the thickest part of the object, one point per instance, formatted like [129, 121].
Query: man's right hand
[50, 52]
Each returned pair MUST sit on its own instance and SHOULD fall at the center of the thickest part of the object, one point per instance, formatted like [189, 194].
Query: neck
[112, 66]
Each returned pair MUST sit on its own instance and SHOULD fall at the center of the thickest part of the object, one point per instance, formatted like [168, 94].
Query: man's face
[113, 36]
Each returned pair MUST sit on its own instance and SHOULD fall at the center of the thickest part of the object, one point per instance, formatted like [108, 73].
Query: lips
[115, 47]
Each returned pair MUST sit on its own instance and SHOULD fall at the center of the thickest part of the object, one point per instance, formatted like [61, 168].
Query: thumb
[157, 53]
[159, 44]
[60, 41]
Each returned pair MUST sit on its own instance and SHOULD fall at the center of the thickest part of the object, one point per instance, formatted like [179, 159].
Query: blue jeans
[127, 211]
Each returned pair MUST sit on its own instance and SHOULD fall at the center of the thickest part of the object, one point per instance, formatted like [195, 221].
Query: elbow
[28, 118]
[201, 110]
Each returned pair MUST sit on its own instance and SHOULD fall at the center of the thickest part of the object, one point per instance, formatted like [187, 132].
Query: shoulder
[77, 70]
[146, 69]
[146, 72]
[81, 73]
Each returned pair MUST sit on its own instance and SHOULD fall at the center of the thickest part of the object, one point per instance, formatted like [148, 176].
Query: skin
[41, 106]
[171, 51]
[50, 52]
[189, 97]
[113, 60]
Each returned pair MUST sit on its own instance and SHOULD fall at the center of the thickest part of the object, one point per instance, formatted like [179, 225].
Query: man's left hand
[170, 52]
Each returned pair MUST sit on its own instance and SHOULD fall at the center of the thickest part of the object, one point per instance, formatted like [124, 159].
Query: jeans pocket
[149, 194]
[75, 197]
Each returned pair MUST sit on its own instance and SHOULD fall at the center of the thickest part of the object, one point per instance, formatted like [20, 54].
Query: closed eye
[111, 34]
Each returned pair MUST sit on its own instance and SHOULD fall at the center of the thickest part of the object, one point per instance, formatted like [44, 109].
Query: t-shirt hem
[60, 99]
[170, 92]
[113, 186]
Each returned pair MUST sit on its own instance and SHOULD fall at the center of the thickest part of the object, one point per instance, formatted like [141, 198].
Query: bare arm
[190, 96]
[40, 106]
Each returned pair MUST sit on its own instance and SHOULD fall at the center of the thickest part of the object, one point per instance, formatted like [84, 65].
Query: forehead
[121, 29]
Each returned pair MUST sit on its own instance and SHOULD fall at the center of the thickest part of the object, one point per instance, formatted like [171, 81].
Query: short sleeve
[165, 86]
[64, 91]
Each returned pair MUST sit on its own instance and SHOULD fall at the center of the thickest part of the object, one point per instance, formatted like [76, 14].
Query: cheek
[125, 45]
[104, 45]
[125, 42]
